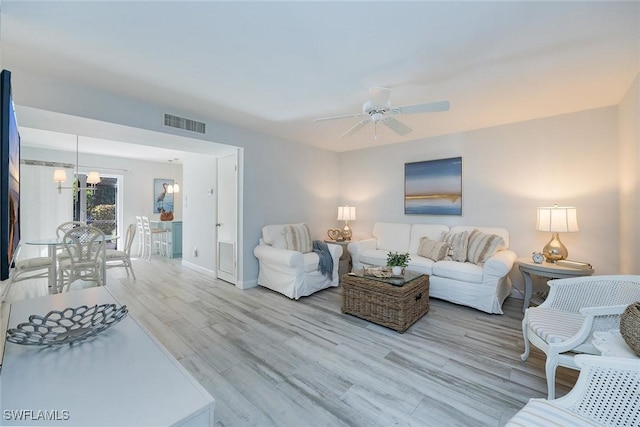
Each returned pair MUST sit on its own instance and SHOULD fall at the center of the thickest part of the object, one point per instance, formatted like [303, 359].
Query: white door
[227, 225]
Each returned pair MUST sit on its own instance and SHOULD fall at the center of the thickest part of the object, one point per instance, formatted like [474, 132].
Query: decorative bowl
[67, 326]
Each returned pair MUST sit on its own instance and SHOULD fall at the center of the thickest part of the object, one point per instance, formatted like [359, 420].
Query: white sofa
[292, 273]
[481, 286]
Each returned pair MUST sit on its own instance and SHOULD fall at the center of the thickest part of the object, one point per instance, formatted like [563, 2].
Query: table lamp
[556, 219]
[346, 214]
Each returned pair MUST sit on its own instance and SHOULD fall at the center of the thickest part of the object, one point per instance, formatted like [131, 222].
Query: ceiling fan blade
[380, 97]
[423, 108]
[355, 129]
[346, 116]
[396, 126]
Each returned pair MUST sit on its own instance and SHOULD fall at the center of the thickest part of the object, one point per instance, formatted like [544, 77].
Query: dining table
[54, 244]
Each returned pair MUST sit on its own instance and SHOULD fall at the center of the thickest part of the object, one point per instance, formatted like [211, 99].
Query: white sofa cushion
[418, 231]
[421, 265]
[374, 256]
[463, 271]
[392, 236]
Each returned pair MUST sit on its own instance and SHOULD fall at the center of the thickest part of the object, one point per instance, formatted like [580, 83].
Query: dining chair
[66, 226]
[116, 258]
[574, 309]
[27, 269]
[85, 257]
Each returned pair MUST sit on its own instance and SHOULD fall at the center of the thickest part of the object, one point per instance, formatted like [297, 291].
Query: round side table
[547, 270]
[345, 258]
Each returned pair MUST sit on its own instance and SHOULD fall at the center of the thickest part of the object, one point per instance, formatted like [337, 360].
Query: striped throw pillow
[433, 249]
[482, 246]
[458, 243]
[298, 238]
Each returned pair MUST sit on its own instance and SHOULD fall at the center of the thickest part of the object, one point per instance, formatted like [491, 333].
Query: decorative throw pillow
[433, 249]
[482, 246]
[458, 243]
[298, 238]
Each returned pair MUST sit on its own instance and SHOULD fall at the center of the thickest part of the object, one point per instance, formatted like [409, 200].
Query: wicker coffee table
[396, 302]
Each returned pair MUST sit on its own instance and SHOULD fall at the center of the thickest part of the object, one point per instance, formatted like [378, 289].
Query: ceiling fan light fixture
[375, 116]
[379, 109]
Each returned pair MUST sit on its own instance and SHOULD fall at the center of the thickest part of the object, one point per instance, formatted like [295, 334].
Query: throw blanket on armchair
[325, 265]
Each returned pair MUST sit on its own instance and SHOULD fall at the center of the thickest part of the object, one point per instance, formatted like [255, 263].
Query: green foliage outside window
[104, 213]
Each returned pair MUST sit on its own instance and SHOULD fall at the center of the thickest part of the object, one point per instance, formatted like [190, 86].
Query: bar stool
[140, 231]
[153, 237]
[161, 241]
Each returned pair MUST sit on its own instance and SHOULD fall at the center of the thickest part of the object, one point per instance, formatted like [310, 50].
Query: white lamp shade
[346, 213]
[93, 178]
[59, 175]
[175, 188]
[557, 219]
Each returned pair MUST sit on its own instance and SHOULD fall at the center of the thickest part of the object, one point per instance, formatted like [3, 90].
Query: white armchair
[293, 273]
[606, 394]
[576, 308]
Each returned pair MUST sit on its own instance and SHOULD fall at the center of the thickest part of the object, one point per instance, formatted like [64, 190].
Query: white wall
[137, 187]
[629, 174]
[282, 181]
[508, 171]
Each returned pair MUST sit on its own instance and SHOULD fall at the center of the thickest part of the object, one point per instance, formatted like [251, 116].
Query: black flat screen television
[9, 177]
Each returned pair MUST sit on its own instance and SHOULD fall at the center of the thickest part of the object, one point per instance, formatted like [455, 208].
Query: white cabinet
[121, 377]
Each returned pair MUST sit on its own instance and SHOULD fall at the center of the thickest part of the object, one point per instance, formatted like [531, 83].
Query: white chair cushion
[543, 413]
[463, 271]
[392, 237]
[32, 263]
[311, 260]
[273, 235]
[113, 254]
[554, 326]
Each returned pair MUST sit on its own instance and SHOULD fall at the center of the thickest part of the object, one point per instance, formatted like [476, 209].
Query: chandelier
[60, 176]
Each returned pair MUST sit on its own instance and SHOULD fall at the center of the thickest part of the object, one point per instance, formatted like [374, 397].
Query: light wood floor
[271, 361]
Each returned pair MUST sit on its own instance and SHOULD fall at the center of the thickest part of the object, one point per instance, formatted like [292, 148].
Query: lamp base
[346, 233]
[555, 250]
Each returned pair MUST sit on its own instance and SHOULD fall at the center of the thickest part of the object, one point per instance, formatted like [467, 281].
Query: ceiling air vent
[182, 123]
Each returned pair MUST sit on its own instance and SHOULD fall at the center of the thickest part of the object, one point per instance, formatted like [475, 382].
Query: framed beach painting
[433, 187]
[162, 199]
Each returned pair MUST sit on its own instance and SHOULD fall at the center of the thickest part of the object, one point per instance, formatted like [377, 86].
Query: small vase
[396, 270]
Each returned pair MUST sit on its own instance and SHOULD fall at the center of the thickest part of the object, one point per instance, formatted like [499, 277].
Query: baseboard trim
[247, 284]
[198, 268]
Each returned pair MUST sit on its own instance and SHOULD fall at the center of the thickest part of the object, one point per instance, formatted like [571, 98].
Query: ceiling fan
[378, 110]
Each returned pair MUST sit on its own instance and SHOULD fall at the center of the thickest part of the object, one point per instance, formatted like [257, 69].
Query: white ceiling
[275, 66]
